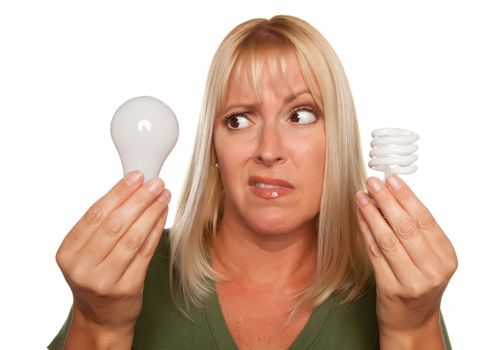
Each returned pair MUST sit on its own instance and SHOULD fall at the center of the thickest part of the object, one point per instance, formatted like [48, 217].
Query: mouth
[269, 188]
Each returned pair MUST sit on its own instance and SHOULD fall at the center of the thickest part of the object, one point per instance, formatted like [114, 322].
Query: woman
[275, 245]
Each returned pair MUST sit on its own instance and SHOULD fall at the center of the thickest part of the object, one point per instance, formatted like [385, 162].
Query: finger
[148, 248]
[119, 220]
[403, 225]
[393, 251]
[129, 245]
[89, 222]
[137, 270]
[382, 271]
[424, 219]
[373, 250]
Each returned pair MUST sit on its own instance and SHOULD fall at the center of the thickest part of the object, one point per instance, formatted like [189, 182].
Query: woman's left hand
[412, 258]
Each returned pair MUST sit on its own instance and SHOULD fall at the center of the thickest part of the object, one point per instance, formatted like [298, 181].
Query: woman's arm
[428, 336]
[104, 259]
[413, 261]
[85, 334]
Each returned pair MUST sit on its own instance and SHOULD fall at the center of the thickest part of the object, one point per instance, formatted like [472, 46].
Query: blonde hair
[342, 262]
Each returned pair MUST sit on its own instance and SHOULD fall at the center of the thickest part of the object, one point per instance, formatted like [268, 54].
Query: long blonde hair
[342, 263]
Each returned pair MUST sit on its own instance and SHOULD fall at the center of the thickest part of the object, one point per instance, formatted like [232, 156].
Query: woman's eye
[303, 116]
[238, 121]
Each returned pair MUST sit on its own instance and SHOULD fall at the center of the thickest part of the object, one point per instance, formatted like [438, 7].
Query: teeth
[260, 185]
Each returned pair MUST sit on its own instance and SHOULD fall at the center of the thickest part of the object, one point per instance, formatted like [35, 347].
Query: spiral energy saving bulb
[144, 131]
[393, 151]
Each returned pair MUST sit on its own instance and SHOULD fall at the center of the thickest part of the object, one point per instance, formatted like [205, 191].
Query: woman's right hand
[105, 256]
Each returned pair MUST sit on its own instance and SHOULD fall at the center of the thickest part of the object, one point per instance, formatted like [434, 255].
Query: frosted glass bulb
[144, 131]
[393, 151]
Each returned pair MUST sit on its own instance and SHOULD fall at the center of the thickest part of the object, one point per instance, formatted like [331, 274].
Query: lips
[269, 188]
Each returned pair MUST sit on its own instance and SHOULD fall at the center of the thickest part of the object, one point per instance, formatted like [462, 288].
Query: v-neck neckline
[219, 332]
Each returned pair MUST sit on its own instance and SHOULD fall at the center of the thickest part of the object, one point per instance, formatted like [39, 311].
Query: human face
[271, 152]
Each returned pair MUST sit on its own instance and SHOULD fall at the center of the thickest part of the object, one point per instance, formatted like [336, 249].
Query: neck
[282, 259]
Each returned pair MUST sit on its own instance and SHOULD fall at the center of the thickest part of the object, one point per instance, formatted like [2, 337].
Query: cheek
[232, 157]
[318, 160]
[233, 148]
[311, 159]
[229, 155]
[310, 153]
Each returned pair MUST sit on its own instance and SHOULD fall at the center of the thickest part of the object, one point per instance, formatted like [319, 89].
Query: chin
[275, 225]
[269, 229]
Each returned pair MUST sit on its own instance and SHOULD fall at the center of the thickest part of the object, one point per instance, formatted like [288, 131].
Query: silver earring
[216, 165]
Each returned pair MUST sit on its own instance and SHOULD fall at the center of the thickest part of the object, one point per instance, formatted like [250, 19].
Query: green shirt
[161, 325]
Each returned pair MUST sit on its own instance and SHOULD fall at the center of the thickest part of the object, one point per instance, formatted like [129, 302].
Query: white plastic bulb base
[144, 131]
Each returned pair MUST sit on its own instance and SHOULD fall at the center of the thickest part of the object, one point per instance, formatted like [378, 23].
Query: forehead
[273, 69]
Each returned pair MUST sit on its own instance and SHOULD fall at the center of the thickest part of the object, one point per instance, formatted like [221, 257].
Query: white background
[66, 66]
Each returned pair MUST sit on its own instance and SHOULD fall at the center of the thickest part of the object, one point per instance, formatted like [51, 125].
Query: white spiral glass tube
[393, 151]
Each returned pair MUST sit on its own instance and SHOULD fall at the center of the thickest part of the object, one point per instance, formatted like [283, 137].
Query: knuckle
[132, 241]
[405, 195]
[133, 288]
[451, 266]
[94, 214]
[79, 276]
[415, 293]
[374, 249]
[126, 288]
[454, 266]
[426, 220]
[121, 189]
[388, 242]
[389, 293]
[112, 226]
[407, 228]
[413, 290]
[147, 250]
[61, 258]
[102, 287]
[437, 279]
[141, 198]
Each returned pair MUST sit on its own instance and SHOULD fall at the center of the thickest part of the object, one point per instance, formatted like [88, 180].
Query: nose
[270, 149]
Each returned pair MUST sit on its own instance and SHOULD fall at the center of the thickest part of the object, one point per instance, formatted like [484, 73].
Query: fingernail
[394, 181]
[133, 177]
[362, 198]
[154, 185]
[374, 184]
[164, 197]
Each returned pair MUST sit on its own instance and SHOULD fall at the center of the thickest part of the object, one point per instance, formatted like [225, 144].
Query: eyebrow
[287, 100]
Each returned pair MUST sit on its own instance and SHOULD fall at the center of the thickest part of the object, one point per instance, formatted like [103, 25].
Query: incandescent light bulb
[144, 131]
